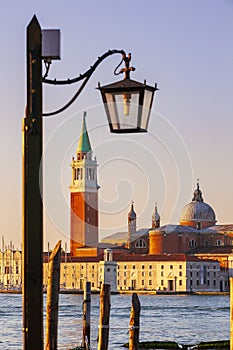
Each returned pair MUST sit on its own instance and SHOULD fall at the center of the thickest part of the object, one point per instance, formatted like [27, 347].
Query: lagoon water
[186, 319]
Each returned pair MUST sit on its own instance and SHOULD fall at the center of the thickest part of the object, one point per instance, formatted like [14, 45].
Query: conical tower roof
[84, 145]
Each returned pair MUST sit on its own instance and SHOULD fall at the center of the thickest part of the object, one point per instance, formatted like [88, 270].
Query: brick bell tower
[83, 195]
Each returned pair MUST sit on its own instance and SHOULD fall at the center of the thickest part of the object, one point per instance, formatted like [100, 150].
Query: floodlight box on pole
[51, 39]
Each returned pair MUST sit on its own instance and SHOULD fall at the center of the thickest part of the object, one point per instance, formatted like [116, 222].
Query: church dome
[197, 214]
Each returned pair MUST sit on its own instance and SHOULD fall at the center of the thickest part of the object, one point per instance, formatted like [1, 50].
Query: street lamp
[127, 102]
[133, 117]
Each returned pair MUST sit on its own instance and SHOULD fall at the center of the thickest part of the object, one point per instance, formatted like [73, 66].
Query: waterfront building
[126, 272]
[173, 273]
[10, 268]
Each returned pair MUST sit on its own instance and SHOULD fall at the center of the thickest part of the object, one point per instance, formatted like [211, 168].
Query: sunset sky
[184, 46]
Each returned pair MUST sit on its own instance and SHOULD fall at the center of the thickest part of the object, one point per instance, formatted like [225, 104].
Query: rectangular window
[180, 267]
[162, 282]
[162, 267]
[150, 282]
[125, 274]
[143, 282]
[180, 282]
[162, 273]
[150, 267]
[125, 282]
[134, 267]
[150, 273]
[180, 273]
[143, 267]
[143, 273]
[171, 267]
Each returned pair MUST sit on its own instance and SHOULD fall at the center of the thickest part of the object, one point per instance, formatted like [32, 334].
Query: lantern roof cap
[128, 83]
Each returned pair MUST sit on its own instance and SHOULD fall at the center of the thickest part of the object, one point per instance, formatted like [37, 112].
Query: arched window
[219, 242]
[192, 243]
[140, 243]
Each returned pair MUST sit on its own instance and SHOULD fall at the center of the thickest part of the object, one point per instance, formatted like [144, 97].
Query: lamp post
[136, 97]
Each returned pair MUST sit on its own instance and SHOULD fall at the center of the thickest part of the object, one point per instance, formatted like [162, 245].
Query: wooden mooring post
[86, 316]
[52, 298]
[231, 313]
[134, 323]
[104, 317]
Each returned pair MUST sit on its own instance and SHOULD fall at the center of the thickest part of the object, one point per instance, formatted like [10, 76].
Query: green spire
[84, 144]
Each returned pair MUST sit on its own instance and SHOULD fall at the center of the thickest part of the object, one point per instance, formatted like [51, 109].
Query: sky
[184, 46]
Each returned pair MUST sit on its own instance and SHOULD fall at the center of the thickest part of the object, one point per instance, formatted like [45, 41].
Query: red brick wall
[83, 220]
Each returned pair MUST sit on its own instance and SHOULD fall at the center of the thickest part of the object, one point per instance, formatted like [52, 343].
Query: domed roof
[197, 211]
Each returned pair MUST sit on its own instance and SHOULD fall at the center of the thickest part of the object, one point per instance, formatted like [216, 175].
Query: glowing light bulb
[126, 98]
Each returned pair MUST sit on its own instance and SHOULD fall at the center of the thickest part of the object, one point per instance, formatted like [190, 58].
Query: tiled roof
[227, 249]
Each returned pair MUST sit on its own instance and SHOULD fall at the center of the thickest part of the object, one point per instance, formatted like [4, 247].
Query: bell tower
[83, 195]
[155, 218]
[132, 220]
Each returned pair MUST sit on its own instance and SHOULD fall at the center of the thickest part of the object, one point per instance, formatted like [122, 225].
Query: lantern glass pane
[148, 95]
[123, 109]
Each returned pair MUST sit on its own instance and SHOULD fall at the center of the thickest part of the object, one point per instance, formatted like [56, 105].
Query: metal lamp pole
[32, 252]
[32, 168]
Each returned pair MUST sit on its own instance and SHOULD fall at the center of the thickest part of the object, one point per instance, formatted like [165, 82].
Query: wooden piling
[104, 317]
[134, 324]
[231, 313]
[52, 298]
[86, 315]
